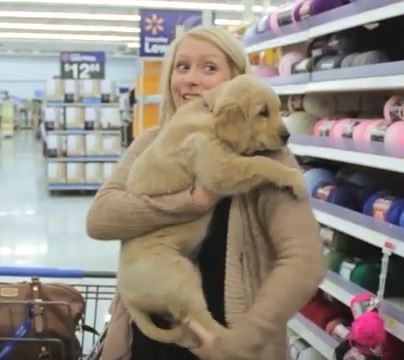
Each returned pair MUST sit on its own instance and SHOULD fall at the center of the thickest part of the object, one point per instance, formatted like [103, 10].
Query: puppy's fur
[210, 141]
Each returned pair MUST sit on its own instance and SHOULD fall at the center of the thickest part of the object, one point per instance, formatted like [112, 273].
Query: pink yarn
[367, 331]
[394, 138]
[288, 60]
[263, 71]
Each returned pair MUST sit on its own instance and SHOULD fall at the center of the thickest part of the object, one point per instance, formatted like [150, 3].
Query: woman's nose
[192, 77]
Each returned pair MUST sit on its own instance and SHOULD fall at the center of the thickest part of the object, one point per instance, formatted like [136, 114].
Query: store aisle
[37, 228]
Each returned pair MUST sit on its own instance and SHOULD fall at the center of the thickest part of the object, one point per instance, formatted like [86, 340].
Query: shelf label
[82, 65]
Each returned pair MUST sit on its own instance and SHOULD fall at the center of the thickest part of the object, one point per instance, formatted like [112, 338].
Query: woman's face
[198, 66]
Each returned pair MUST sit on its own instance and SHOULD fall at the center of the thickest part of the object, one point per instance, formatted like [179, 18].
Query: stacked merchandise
[83, 133]
[338, 66]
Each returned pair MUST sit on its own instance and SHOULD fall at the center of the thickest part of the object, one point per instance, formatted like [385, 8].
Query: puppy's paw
[297, 184]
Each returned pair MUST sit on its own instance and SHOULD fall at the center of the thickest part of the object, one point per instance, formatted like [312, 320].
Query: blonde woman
[262, 258]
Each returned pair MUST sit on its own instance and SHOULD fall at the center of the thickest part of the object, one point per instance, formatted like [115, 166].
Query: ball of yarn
[306, 8]
[263, 71]
[376, 131]
[339, 195]
[385, 207]
[323, 127]
[319, 104]
[394, 138]
[366, 274]
[329, 62]
[348, 60]
[359, 134]
[314, 176]
[368, 331]
[370, 57]
[334, 260]
[287, 61]
[300, 122]
[394, 108]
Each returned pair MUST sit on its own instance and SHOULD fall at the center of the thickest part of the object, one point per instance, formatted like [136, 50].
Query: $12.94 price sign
[82, 65]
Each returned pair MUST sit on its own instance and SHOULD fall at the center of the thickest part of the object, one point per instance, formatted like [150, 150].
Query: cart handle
[54, 272]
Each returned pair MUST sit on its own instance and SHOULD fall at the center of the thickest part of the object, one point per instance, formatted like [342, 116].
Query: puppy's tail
[148, 328]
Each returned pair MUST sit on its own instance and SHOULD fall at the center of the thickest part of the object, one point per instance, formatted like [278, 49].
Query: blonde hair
[224, 41]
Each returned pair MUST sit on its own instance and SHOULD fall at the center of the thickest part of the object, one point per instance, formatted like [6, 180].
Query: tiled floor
[37, 228]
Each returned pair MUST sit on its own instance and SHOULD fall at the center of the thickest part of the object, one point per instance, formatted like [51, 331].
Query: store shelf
[82, 131]
[344, 290]
[385, 76]
[111, 158]
[344, 150]
[356, 14]
[81, 104]
[360, 226]
[73, 187]
[314, 335]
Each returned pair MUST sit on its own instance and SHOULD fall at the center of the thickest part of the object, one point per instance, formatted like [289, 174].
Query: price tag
[82, 65]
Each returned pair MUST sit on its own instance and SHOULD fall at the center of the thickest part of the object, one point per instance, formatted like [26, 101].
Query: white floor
[37, 228]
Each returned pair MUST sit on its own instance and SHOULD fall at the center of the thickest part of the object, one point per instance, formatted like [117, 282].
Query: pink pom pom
[367, 331]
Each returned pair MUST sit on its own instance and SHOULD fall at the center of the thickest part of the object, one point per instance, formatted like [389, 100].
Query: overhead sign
[158, 29]
[82, 65]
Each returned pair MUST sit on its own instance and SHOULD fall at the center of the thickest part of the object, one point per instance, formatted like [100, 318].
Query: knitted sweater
[273, 263]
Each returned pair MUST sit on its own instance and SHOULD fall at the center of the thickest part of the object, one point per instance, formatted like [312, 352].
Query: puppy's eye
[264, 111]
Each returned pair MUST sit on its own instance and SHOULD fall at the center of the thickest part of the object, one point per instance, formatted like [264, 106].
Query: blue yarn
[316, 175]
[394, 213]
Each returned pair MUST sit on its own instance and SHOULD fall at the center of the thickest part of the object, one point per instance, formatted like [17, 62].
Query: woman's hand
[204, 198]
[221, 346]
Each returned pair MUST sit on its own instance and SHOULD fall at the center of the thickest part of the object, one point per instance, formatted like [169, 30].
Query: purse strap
[19, 333]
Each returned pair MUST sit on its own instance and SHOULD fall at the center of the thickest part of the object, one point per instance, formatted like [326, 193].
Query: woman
[262, 257]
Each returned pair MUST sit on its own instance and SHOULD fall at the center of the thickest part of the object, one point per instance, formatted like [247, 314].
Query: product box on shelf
[54, 118]
[94, 173]
[71, 91]
[90, 89]
[75, 145]
[108, 91]
[107, 169]
[91, 116]
[110, 118]
[111, 144]
[75, 173]
[55, 145]
[74, 117]
[55, 89]
[57, 172]
[93, 144]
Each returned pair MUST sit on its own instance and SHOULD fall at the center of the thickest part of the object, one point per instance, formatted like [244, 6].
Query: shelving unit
[344, 290]
[325, 148]
[352, 15]
[82, 148]
[386, 77]
[314, 335]
[363, 227]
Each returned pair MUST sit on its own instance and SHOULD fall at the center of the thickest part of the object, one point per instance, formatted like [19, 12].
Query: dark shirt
[211, 261]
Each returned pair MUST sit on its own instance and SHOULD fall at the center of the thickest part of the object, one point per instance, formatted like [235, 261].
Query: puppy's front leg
[228, 173]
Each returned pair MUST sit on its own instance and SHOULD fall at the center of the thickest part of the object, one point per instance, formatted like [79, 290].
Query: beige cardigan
[273, 260]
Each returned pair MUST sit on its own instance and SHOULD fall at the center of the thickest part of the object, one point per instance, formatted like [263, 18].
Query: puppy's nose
[284, 136]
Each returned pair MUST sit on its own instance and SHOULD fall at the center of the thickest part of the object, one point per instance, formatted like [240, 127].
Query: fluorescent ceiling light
[257, 8]
[46, 36]
[68, 15]
[142, 3]
[133, 45]
[88, 16]
[60, 27]
[232, 22]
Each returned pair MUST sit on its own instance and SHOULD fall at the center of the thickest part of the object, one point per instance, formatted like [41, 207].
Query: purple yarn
[316, 7]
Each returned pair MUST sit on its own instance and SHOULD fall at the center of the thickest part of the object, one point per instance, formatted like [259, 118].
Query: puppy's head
[246, 115]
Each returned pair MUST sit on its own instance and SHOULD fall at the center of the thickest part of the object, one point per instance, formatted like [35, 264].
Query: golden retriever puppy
[212, 141]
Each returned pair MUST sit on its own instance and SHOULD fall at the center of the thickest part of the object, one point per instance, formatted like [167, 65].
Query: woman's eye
[210, 67]
[181, 66]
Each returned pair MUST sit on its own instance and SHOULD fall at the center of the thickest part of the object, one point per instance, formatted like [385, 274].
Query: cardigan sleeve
[297, 271]
[116, 214]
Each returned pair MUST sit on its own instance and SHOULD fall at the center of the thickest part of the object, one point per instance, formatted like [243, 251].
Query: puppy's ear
[230, 126]
[210, 97]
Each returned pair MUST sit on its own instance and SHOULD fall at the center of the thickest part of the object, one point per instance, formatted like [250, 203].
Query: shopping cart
[97, 296]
